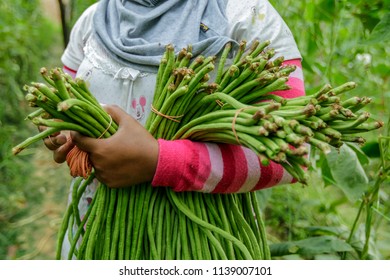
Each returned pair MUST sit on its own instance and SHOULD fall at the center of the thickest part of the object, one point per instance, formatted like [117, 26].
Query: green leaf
[371, 149]
[311, 246]
[361, 155]
[368, 20]
[325, 230]
[325, 171]
[382, 69]
[381, 32]
[327, 10]
[327, 257]
[347, 172]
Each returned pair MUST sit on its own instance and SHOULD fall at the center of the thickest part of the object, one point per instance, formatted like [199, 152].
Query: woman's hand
[128, 157]
[59, 144]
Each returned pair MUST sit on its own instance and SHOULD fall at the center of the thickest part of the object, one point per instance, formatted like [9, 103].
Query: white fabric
[132, 90]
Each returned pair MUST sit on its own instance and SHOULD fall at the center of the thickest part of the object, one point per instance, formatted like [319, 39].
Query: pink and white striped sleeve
[186, 165]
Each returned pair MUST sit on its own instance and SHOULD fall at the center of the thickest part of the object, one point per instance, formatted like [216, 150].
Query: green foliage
[24, 43]
[28, 42]
[348, 194]
[78, 7]
[311, 247]
[343, 168]
[381, 31]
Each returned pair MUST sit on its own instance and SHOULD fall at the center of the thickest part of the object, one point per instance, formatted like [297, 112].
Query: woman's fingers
[53, 142]
[59, 142]
[59, 155]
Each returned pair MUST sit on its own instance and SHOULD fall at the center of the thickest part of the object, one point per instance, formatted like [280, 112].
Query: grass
[39, 228]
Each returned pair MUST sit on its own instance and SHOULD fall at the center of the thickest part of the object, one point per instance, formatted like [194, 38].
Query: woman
[116, 47]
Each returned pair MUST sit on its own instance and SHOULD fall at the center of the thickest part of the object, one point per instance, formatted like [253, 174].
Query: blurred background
[344, 212]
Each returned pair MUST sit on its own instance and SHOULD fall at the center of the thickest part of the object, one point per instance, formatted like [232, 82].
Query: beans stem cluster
[145, 222]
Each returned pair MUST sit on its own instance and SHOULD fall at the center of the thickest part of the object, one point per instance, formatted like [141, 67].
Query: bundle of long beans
[142, 222]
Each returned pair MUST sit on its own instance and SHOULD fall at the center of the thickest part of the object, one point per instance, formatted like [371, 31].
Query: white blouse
[114, 83]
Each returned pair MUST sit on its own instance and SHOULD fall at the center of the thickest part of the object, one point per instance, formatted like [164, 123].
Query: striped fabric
[186, 165]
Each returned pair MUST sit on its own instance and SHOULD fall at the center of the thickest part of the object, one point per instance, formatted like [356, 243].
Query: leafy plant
[24, 43]
[347, 198]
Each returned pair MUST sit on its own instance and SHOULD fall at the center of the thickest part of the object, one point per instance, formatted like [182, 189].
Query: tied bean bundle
[142, 222]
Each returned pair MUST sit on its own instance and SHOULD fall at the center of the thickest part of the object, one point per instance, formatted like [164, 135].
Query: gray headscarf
[137, 31]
